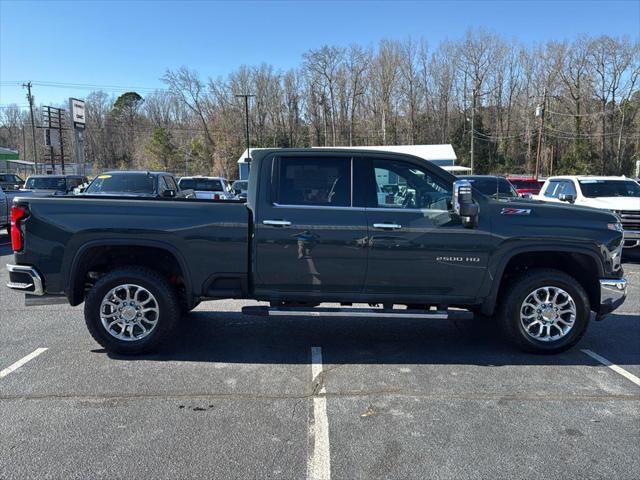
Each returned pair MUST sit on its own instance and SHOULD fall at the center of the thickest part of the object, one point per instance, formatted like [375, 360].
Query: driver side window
[401, 185]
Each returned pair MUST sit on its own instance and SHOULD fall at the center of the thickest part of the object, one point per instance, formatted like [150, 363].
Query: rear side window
[314, 181]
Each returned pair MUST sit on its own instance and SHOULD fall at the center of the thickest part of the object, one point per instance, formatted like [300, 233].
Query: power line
[85, 86]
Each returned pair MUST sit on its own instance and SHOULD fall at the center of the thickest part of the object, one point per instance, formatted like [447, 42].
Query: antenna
[497, 187]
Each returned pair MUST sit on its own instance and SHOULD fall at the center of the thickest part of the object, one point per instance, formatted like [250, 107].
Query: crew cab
[620, 195]
[315, 229]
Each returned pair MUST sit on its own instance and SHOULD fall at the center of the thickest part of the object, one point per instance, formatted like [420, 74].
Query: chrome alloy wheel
[129, 312]
[548, 314]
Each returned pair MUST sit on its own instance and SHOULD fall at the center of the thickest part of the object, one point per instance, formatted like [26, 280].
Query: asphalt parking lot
[233, 396]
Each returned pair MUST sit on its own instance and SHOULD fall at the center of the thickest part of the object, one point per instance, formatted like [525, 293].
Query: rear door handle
[277, 223]
[387, 226]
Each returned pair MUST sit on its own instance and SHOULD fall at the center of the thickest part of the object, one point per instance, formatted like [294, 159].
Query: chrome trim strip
[630, 234]
[319, 207]
[362, 209]
[35, 278]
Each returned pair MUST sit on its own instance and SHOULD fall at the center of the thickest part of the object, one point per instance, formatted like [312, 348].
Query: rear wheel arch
[148, 254]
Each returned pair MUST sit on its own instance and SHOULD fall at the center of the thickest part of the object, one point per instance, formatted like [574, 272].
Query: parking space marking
[319, 458]
[613, 366]
[21, 362]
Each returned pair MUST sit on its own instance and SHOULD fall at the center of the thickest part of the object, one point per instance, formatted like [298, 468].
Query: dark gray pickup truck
[324, 225]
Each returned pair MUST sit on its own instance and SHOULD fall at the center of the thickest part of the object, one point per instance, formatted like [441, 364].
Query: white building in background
[441, 155]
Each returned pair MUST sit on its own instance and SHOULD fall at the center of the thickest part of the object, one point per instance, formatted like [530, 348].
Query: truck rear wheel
[131, 311]
[545, 311]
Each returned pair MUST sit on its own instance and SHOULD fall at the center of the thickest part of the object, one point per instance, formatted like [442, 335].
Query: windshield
[490, 185]
[201, 184]
[240, 185]
[609, 188]
[137, 183]
[46, 183]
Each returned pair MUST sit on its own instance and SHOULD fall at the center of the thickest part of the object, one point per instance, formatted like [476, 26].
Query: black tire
[168, 307]
[518, 291]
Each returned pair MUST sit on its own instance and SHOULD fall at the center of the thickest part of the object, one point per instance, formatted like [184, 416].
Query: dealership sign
[77, 112]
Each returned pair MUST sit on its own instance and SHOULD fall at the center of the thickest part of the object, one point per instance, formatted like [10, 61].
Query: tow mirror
[566, 197]
[463, 203]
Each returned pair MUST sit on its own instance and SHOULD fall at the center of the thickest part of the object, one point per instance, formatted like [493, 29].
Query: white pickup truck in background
[620, 195]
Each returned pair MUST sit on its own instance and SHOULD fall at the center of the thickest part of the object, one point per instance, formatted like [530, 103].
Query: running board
[356, 312]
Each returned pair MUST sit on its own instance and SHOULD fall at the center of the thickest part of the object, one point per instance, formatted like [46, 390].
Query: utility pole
[246, 115]
[473, 126]
[24, 144]
[540, 113]
[33, 125]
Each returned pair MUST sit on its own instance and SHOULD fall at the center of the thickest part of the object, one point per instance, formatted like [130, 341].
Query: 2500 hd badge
[458, 259]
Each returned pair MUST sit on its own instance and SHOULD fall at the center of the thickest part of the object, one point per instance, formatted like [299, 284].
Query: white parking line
[21, 362]
[613, 366]
[319, 458]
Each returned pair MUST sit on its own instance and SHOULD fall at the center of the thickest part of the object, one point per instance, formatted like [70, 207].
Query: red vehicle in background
[526, 186]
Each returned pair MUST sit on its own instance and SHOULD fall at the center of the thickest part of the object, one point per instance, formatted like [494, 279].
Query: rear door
[418, 248]
[310, 238]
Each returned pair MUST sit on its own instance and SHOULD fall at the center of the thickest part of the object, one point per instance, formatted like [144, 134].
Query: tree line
[396, 92]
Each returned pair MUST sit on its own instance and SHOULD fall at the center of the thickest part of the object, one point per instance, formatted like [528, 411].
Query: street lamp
[246, 114]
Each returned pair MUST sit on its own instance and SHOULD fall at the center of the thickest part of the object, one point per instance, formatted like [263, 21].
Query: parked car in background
[493, 186]
[46, 185]
[525, 186]
[10, 181]
[208, 188]
[240, 188]
[620, 195]
[136, 184]
[4, 211]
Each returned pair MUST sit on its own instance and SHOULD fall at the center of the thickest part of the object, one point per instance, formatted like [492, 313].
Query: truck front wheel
[545, 311]
[130, 311]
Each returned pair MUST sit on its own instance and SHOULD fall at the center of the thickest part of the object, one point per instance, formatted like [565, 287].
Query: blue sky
[127, 44]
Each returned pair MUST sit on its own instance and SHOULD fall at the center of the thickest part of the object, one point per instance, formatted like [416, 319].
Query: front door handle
[277, 223]
[387, 226]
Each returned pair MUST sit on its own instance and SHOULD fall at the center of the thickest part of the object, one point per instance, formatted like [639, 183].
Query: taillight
[18, 213]
[216, 196]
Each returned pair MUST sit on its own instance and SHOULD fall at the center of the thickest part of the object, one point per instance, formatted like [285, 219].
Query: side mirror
[169, 193]
[463, 203]
[566, 197]
[527, 196]
[237, 191]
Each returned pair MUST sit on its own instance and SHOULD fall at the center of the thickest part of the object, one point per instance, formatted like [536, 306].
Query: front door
[309, 238]
[418, 247]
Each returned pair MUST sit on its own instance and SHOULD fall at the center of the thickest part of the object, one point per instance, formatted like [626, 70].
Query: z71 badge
[515, 211]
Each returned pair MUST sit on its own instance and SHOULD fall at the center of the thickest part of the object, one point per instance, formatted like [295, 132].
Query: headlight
[617, 227]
